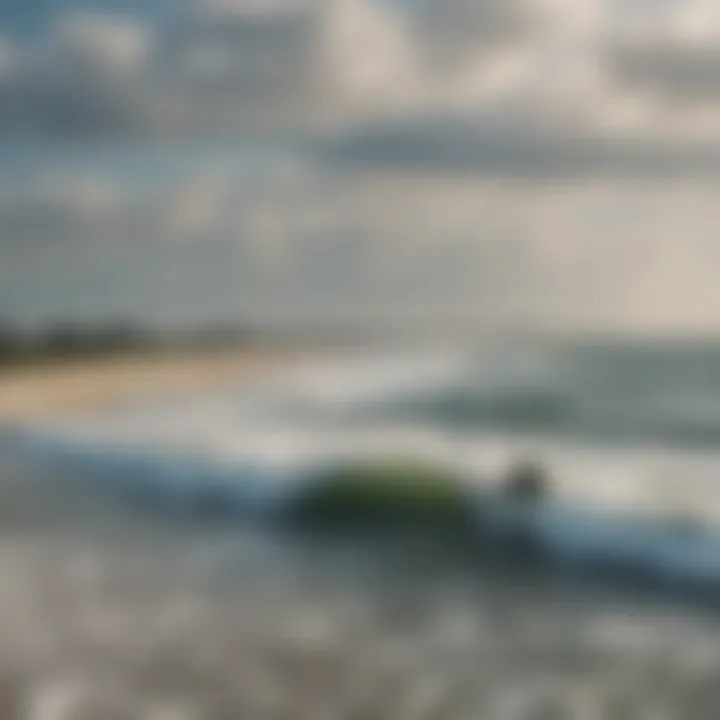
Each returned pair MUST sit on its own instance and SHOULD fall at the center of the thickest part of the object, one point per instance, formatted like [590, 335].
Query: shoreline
[78, 387]
[569, 538]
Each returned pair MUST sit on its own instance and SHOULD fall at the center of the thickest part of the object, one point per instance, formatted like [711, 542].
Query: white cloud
[294, 66]
[93, 43]
[369, 57]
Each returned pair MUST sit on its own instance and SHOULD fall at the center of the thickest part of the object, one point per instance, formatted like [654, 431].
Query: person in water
[527, 482]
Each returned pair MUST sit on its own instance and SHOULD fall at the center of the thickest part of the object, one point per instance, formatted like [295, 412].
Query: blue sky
[552, 163]
[21, 18]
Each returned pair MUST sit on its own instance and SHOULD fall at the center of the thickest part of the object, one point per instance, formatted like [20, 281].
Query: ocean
[152, 609]
[624, 426]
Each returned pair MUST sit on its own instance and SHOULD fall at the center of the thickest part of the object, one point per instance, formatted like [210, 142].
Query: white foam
[256, 442]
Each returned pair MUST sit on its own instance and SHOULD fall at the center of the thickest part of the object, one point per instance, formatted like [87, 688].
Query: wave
[573, 538]
[565, 413]
[245, 452]
[604, 395]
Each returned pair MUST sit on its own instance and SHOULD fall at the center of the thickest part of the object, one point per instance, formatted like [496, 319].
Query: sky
[551, 164]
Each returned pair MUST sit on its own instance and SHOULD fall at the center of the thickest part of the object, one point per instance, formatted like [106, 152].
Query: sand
[82, 387]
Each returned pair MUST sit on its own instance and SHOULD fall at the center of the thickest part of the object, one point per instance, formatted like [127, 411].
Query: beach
[147, 607]
[78, 387]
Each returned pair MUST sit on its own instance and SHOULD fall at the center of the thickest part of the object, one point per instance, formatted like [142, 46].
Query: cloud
[293, 67]
[84, 77]
[679, 74]
[309, 240]
[208, 71]
[455, 32]
[664, 58]
[235, 66]
[507, 147]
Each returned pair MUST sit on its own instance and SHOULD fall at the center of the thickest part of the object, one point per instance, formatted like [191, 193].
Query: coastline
[77, 387]
[575, 537]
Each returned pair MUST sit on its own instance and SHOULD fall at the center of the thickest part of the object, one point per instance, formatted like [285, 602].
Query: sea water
[105, 608]
[626, 427]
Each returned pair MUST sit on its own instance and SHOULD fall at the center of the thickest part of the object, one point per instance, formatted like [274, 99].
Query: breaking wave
[626, 434]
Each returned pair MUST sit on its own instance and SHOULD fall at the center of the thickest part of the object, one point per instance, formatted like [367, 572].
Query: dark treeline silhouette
[70, 340]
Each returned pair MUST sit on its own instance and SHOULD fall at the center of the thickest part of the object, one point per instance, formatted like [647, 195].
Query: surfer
[526, 482]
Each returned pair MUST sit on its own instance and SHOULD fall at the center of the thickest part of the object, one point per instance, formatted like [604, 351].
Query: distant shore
[81, 386]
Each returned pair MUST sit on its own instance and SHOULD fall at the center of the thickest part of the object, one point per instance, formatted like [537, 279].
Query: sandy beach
[76, 388]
